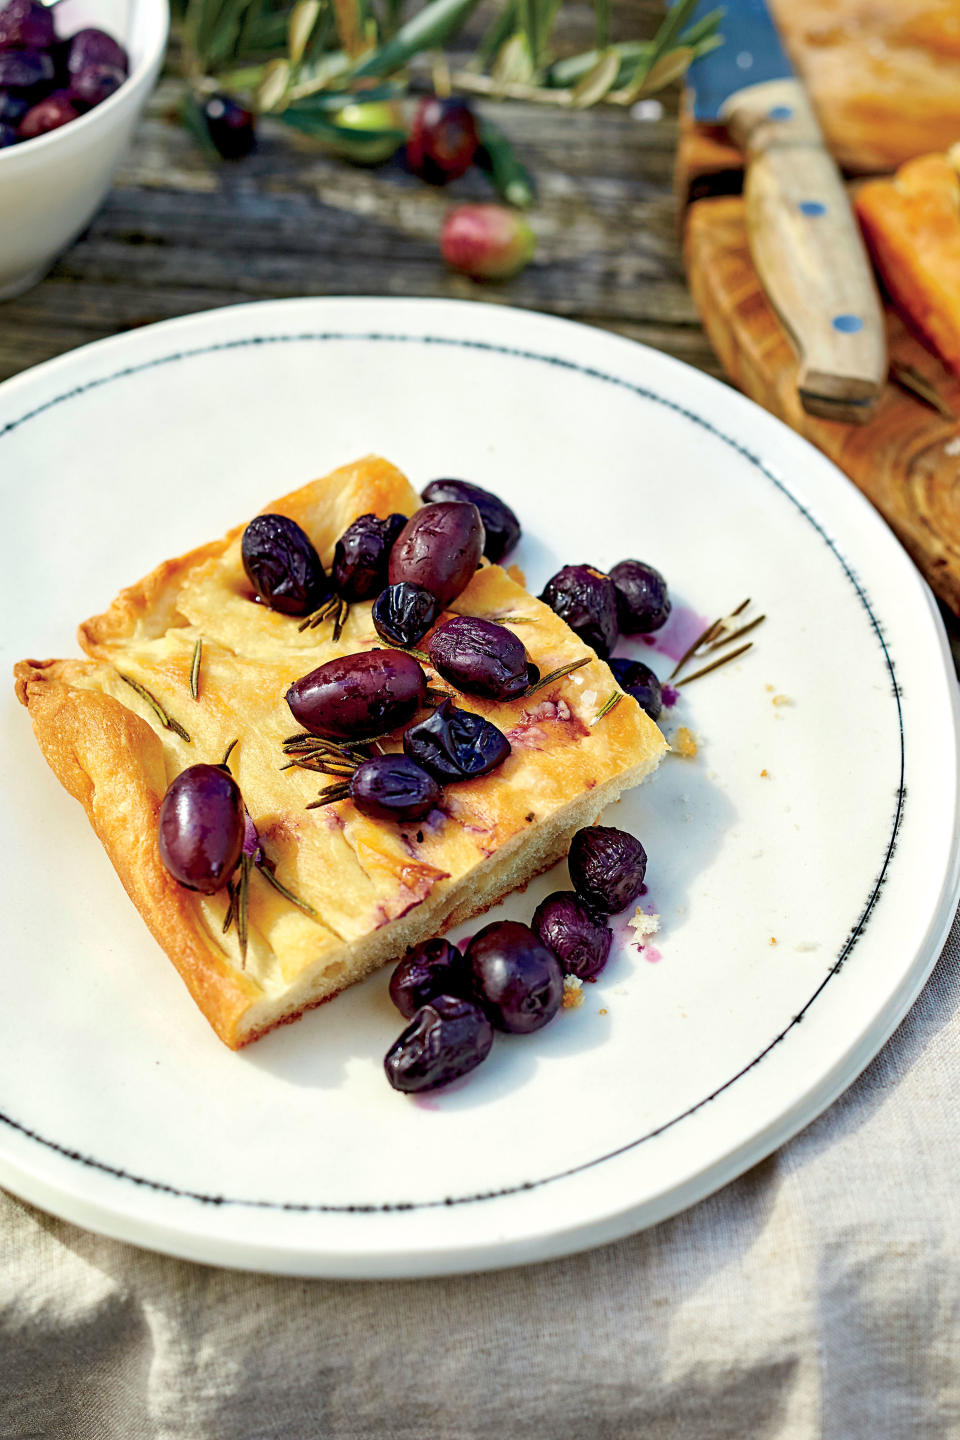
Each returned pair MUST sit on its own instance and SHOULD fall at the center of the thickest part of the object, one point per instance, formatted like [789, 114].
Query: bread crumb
[769, 687]
[806, 946]
[764, 774]
[572, 992]
[773, 939]
[685, 743]
[517, 574]
[782, 700]
[603, 1012]
[645, 925]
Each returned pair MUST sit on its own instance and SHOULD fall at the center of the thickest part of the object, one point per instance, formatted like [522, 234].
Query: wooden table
[178, 234]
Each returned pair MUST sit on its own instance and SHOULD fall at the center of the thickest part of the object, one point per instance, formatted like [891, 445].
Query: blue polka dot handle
[808, 251]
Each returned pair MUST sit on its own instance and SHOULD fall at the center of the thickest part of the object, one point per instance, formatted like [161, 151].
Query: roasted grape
[446, 1039]
[402, 614]
[27, 73]
[639, 681]
[26, 25]
[282, 565]
[201, 827]
[439, 548]
[433, 968]
[361, 556]
[394, 787]
[516, 979]
[94, 84]
[607, 867]
[356, 696]
[587, 600]
[49, 114]
[480, 657]
[456, 744]
[95, 47]
[501, 528]
[576, 935]
[642, 600]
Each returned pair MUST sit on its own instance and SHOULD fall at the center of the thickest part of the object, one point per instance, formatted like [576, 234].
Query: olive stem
[225, 762]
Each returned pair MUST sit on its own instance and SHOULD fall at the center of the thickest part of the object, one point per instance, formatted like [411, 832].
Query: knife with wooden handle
[804, 240]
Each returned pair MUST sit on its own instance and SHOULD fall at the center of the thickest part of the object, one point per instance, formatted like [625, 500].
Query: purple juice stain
[669, 695]
[674, 639]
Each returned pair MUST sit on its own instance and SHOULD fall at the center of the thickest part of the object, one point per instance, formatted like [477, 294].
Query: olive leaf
[303, 17]
[598, 81]
[497, 157]
[432, 26]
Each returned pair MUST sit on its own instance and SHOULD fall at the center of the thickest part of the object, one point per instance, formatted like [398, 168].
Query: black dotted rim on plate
[644, 393]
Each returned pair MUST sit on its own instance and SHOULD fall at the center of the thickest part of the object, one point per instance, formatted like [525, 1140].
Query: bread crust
[375, 887]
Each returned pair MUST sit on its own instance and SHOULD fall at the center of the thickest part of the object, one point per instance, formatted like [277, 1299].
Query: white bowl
[51, 187]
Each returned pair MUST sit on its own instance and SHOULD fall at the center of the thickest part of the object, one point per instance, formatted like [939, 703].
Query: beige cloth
[818, 1296]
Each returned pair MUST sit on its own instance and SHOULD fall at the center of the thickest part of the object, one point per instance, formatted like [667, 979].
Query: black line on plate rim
[645, 393]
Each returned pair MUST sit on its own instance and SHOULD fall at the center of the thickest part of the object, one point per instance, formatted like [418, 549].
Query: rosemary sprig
[329, 796]
[609, 704]
[711, 633]
[270, 877]
[239, 904]
[407, 650]
[195, 670]
[557, 675]
[715, 664]
[908, 377]
[167, 721]
[334, 605]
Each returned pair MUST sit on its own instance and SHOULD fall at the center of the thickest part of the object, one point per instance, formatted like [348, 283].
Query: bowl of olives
[74, 79]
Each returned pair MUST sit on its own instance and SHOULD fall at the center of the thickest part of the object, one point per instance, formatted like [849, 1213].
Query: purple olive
[576, 935]
[26, 25]
[642, 600]
[480, 657]
[363, 551]
[49, 114]
[230, 125]
[12, 108]
[394, 787]
[8, 136]
[607, 867]
[443, 139]
[516, 979]
[434, 968]
[501, 528]
[95, 47]
[446, 1039]
[201, 827]
[439, 548]
[639, 681]
[587, 600]
[282, 565]
[94, 84]
[456, 744]
[26, 72]
[357, 696]
[402, 614]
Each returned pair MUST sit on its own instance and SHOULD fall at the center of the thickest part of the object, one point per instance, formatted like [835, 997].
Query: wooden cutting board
[906, 460]
[884, 78]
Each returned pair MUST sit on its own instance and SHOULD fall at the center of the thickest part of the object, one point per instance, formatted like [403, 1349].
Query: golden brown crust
[112, 762]
[372, 886]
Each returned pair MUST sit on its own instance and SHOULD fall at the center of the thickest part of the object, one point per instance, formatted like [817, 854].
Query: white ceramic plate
[825, 823]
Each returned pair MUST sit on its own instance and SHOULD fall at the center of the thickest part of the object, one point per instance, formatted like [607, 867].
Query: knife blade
[804, 239]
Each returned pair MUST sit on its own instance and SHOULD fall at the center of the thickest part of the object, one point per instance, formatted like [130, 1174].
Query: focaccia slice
[375, 887]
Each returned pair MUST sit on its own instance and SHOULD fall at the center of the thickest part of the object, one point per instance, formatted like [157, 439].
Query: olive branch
[306, 63]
